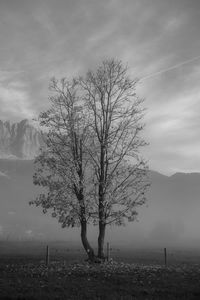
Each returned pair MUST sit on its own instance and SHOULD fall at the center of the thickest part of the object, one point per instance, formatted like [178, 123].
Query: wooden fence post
[165, 256]
[47, 256]
[108, 252]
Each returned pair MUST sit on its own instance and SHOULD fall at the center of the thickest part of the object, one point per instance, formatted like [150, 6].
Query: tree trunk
[102, 229]
[102, 225]
[86, 245]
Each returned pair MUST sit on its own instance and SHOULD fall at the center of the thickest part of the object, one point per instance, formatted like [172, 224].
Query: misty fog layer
[169, 218]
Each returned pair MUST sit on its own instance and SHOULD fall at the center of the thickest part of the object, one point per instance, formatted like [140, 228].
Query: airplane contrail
[2, 72]
[171, 68]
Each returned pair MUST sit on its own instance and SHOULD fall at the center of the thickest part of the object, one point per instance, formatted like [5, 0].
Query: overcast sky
[159, 39]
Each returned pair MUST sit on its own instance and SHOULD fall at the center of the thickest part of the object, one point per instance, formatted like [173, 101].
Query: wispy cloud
[29, 232]
[4, 174]
[11, 213]
[14, 102]
[159, 39]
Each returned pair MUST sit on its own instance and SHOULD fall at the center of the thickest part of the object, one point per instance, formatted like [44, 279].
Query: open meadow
[130, 274]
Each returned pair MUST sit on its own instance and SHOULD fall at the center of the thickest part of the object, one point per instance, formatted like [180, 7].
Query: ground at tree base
[111, 281]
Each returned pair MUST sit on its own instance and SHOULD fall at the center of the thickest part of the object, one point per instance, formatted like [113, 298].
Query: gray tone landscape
[159, 41]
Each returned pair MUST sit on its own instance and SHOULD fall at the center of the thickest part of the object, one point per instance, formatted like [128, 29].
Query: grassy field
[131, 274]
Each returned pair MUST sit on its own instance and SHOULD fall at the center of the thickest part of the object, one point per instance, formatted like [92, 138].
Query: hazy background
[169, 218]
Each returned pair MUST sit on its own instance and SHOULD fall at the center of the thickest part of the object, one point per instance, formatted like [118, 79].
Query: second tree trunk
[85, 242]
[102, 228]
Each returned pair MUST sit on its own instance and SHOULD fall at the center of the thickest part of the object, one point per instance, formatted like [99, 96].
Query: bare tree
[120, 178]
[91, 168]
[62, 167]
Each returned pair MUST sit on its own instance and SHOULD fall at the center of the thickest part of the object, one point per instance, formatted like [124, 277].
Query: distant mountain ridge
[169, 218]
[20, 140]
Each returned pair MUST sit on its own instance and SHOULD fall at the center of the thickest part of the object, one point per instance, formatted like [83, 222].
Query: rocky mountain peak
[19, 140]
